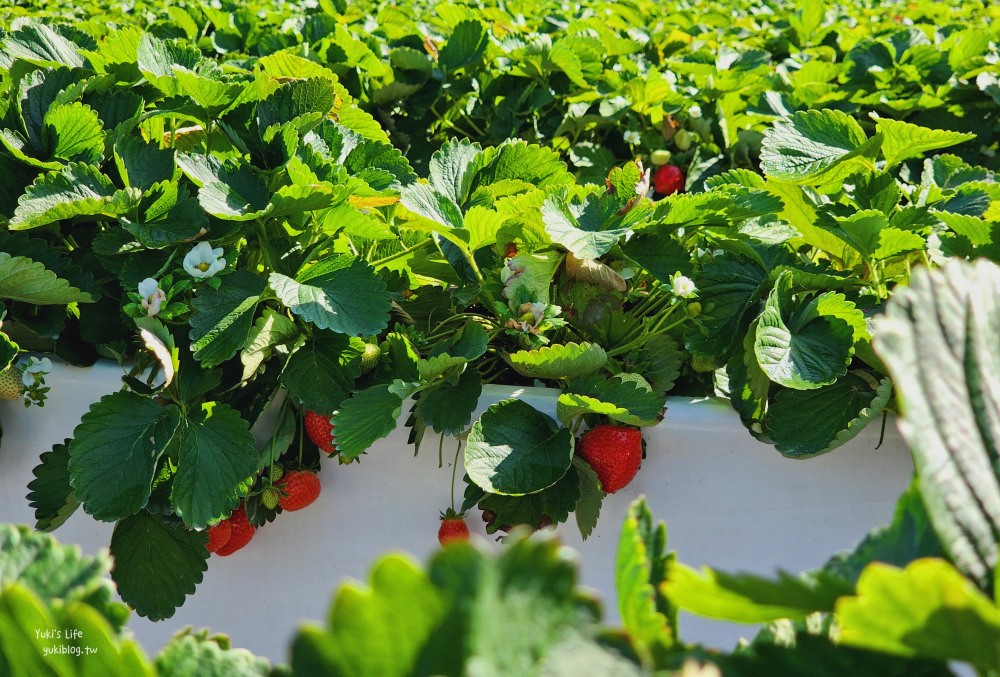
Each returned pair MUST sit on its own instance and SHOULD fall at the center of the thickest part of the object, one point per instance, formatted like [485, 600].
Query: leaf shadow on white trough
[728, 501]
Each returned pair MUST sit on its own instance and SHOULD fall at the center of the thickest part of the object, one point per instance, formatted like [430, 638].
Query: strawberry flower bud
[152, 296]
[204, 261]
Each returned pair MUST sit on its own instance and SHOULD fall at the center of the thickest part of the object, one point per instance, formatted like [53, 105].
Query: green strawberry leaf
[197, 653]
[748, 598]
[209, 93]
[903, 140]
[436, 206]
[937, 338]
[376, 629]
[729, 287]
[364, 418]
[222, 317]
[73, 133]
[659, 254]
[234, 194]
[42, 45]
[641, 565]
[814, 146]
[514, 449]
[806, 423]
[25, 620]
[868, 232]
[156, 564]
[321, 373]
[470, 342]
[215, 466]
[915, 611]
[591, 227]
[142, 165]
[157, 60]
[22, 279]
[453, 167]
[627, 398]
[341, 293]
[465, 47]
[518, 161]
[291, 200]
[114, 452]
[272, 329]
[660, 360]
[50, 493]
[75, 190]
[295, 99]
[447, 407]
[57, 572]
[811, 346]
[588, 508]
[555, 503]
[168, 215]
[559, 361]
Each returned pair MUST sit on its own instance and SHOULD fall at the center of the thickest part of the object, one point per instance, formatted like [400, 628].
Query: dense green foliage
[904, 602]
[235, 200]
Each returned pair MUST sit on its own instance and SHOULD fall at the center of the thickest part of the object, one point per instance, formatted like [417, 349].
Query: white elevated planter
[728, 501]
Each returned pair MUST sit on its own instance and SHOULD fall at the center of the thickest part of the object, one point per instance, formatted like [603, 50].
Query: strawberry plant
[352, 215]
[914, 598]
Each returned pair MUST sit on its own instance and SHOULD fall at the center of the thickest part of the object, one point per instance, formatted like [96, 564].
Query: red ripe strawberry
[453, 528]
[219, 535]
[320, 431]
[614, 452]
[301, 488]
[668, 179]
[241, 532]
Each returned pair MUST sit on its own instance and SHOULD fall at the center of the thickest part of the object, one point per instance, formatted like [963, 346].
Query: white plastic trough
[728, 501]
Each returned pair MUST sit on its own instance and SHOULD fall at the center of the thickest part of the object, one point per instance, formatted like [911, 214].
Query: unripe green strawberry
[369, 359]
[659, 157]
[10, 384]
[703, 363]
[694, 309]
[270, 498]
[276, 472]
[682, 140]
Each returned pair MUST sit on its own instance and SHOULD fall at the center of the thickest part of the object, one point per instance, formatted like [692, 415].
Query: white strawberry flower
[204, 261]
[35, 370]
[152, 296]
[632, 137]
[695, 111]
[684, 288]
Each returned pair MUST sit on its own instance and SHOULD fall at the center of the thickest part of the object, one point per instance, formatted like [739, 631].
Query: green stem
[265, 248]
[401, 254]
[474, 126]
[441, 451]
[639, 342]
[454, 467]
[301, 437]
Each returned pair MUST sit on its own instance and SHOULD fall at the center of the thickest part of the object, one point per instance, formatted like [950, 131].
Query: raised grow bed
[389, 220]
[729, 501]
